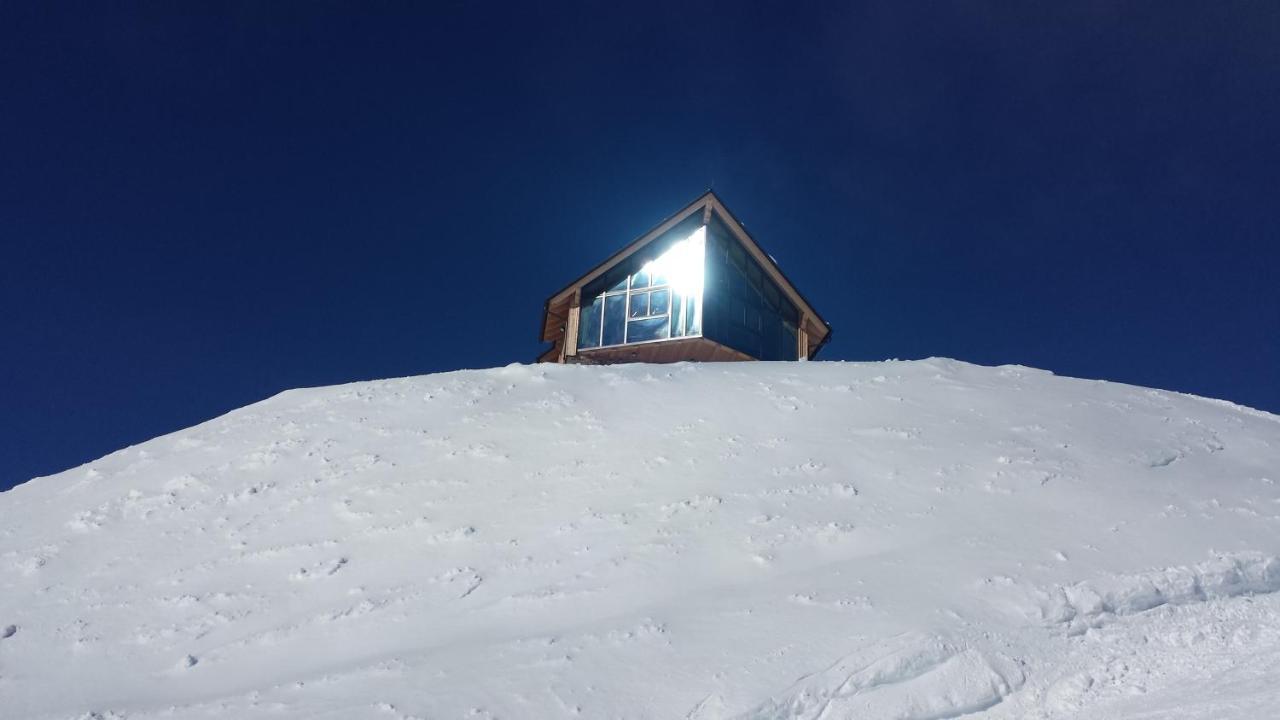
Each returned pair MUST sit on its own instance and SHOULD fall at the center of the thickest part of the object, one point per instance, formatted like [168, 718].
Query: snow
[758, 541]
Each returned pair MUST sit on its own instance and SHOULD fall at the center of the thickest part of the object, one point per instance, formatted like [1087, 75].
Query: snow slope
[735, 541]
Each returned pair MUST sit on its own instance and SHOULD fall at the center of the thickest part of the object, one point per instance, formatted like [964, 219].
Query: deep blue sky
[202, 206]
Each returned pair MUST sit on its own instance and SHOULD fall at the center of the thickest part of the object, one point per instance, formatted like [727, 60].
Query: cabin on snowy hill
[696, 287]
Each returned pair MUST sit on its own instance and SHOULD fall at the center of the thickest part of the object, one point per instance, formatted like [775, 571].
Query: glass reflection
[659, 301]
[684, 264]
[589, 323]
[654, 328]
[639, 306]
[663, 299]
[615, 319]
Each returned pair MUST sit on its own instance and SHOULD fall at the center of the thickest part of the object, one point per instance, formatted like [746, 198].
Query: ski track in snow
[767, 541]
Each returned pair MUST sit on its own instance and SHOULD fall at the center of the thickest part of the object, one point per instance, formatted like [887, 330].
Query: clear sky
[203, 205]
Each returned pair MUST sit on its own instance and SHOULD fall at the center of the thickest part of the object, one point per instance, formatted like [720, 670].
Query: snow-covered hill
[748, 541]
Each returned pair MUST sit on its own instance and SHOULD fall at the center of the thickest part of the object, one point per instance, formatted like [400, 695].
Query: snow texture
[762, 541]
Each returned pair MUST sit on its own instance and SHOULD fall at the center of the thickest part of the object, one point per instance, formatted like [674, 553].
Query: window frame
[628, 291]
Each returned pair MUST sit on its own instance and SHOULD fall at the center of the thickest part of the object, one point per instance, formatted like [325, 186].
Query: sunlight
[684, 264]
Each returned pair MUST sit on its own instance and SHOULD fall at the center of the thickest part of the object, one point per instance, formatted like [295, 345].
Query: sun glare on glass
[683, 265]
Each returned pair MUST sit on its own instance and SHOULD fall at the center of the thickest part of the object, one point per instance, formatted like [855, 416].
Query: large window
[659, 300]
[745, 309]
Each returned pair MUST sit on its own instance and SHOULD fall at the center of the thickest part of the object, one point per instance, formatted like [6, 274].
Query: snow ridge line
[1088, 604]
[914, 676]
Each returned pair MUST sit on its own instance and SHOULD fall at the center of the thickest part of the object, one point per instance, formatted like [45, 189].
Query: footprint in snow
[8, 631]
[319, 570]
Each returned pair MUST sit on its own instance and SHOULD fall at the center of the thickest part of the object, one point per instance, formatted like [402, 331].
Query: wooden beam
[551, 329]
[802, 338]
[571, 327]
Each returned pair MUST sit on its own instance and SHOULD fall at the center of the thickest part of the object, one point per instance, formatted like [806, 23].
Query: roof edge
[708, 199]
[637, 244]
[627, 251]
[737, 228]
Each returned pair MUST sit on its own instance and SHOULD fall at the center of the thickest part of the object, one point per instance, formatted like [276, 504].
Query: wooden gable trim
[562, 296]
[631, 249]
[559, 306]
[775, 273]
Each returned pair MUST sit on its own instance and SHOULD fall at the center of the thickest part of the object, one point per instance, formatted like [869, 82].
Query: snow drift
[749, 541]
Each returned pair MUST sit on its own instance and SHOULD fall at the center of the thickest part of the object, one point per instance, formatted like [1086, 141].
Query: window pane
[639, 305]
[737, 256]
[619, 286]
[677, 316]
[658, 278]
[738, 285]
[648, 329]
[589, 323]
[615, 307]
[771, 294]
[658, 302]
[640, 280]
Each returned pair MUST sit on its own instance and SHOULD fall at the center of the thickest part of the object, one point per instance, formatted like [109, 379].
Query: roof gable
[633, 247]
[707, 204]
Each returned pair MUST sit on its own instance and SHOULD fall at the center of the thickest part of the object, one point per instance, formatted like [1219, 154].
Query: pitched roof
[557, 305]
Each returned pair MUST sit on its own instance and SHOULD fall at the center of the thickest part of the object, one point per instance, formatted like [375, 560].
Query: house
[696, 287]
